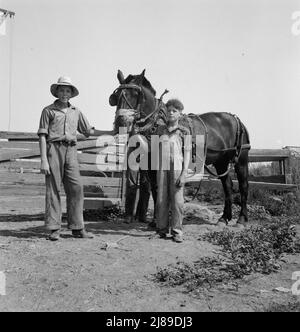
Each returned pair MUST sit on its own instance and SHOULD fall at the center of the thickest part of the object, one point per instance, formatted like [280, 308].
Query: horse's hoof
[143, 221]
[152, 224]
[240, 225]
[242, 219]
[222, 222]
[129, 220]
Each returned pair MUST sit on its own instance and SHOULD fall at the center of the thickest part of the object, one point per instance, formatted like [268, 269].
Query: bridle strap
[140, 125]
[126, 99]
[156, 108]
[131, 86]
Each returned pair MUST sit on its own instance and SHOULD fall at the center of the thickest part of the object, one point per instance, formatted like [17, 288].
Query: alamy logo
[160, 148]
[2, 283]
[296, 286]
[296, 25]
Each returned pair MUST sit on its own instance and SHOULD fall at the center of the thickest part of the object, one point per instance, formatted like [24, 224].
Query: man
[59, 124]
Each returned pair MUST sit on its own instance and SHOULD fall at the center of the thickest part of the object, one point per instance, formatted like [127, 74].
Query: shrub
[277, 204]
[256, 249]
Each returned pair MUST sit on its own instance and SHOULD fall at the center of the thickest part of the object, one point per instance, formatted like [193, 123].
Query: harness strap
[239, 147]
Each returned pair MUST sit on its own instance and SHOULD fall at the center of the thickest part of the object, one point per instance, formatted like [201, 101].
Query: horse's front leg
[131, 195]
[242, 172]
[227, 187]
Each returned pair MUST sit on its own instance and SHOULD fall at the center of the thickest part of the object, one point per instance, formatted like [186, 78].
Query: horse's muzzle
[124, 118]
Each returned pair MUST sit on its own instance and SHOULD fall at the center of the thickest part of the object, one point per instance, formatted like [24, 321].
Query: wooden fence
[101, 165]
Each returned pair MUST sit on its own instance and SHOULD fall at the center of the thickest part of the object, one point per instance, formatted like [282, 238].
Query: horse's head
[134, 99]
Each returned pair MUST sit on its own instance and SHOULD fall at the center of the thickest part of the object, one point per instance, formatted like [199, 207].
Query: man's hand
[181, 181]
[45, 169]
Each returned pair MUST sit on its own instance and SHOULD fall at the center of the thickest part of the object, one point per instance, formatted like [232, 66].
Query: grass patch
[256, 249]
[111, 213]
[277, 204]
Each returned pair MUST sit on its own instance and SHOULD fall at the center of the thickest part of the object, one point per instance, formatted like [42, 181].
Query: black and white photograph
[149, 158]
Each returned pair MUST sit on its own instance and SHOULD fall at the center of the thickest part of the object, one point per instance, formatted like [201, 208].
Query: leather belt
[65, 143]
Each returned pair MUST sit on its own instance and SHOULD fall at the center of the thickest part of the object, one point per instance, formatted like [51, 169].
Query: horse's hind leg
[227, 187]
[242, 172]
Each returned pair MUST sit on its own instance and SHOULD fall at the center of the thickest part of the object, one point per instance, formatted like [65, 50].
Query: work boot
[54, 236]
[161, 235]
[177, 238]
[81, 234]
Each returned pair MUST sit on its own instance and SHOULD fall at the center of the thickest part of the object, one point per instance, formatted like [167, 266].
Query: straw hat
[65, 81]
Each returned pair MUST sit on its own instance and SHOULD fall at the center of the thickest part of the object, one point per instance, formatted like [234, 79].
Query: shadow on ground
[31, 232]
[21, 217]
[116, 227]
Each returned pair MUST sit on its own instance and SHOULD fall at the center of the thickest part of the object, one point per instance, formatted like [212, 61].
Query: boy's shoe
[81, 234]
[162, 235]
[54, 236]
[177, 239]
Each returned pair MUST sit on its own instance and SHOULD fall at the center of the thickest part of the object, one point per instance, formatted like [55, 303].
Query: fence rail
[101, 165]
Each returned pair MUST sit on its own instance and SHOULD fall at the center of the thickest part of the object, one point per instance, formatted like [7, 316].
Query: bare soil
[103, 274]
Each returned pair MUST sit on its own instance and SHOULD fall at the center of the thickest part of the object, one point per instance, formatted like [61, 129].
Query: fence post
[288, 168]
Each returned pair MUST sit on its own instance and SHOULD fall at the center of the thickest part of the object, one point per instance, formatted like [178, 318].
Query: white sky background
[236, 56]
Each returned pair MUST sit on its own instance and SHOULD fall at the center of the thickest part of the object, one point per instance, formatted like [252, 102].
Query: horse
[227, 138]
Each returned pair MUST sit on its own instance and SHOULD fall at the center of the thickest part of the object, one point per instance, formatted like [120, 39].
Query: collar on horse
[158, 112]
[149, 124]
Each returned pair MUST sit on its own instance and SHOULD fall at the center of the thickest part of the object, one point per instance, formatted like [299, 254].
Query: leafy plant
[110, 213]
[256, 249]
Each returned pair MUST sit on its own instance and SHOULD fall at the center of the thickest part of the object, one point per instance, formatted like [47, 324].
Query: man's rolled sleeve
[44, 123]
[84, 126]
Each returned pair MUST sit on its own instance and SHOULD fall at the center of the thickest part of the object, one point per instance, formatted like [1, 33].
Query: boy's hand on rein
[45, 169]
[181, 181]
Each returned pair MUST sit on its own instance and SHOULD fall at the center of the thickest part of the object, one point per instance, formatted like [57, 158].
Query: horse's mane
[145, 82]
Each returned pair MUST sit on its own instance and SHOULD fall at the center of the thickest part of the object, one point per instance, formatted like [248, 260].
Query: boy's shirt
[58, 125]
[177, 140]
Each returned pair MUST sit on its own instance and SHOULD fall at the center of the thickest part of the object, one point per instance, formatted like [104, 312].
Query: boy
[175, 153]
[59, 124]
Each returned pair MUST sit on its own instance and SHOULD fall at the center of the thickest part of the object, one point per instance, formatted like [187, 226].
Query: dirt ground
[95, 275]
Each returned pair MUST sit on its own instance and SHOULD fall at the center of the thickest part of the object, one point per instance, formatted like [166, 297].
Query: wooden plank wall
[101, 165]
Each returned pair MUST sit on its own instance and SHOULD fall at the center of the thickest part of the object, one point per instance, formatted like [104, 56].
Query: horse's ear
[140, 78]
[120, 77]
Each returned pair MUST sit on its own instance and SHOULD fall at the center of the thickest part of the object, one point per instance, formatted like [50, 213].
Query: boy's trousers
[64, 170]
[169, 198]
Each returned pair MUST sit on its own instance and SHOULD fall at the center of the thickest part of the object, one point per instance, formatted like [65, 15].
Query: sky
[237, 56]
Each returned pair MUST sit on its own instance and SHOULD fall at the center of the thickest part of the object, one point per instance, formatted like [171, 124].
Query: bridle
[140, 100]
[142, 124]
